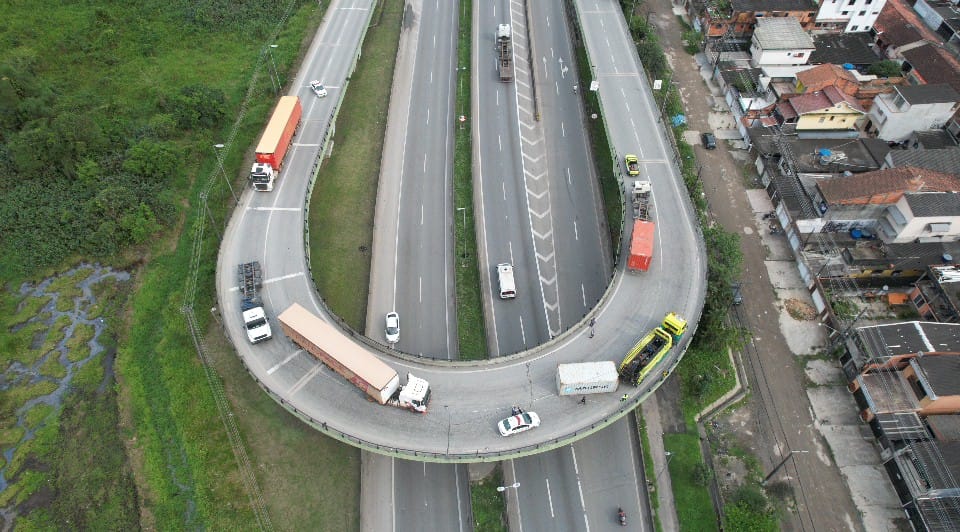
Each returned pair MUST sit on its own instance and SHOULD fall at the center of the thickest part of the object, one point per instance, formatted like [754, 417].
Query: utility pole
[782, 462]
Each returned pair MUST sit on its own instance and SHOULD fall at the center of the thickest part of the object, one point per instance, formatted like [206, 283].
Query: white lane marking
[282, 278]
[556, 87]
[569, 182]
[305, 379]
[428, 115]
[510, 248]
[499, 142]
[583, 294]
[550, 498]
[434, 40]
[424, 162]
[420, 288]
[504, 187]
[548, 22]
[551, 52]
[280, 364]
[431, 79]
[563, 131]
[576, 234]
[273, 209]
[421, 214]
[497, 99]
[523, 334]
[456, 474]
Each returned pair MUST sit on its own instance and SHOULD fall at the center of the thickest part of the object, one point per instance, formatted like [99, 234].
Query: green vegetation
[603, 155]
[694, 507]
[470, 325]
[648, 470]
[488, 504]
[885, 69]
[345, 195]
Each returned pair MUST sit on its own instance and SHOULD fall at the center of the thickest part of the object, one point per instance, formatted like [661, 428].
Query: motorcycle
[622, 516]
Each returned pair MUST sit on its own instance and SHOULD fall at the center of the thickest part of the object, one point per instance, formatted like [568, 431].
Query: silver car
[521, 422]
[392, 331]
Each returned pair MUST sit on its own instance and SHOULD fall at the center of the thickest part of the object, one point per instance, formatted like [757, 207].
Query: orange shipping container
[279, 133]
[641, 246]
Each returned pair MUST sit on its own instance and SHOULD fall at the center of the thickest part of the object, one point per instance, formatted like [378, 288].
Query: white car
[392, 331]
[318, 88]
[519, 423]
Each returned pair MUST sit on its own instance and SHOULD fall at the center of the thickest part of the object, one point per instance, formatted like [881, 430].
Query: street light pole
[216, 150]
[781, 464]
[278, 85]
[665, 466]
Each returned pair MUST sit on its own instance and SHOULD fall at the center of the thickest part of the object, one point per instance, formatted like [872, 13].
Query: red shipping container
[641, 246]
[280, 131]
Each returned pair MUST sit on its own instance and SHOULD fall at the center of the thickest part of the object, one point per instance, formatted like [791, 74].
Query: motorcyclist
[622, 516]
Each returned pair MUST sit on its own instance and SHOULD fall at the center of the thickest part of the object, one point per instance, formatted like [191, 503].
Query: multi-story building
[896, 115]
[848, 15]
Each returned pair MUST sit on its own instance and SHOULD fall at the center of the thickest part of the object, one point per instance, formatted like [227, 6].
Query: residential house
[862, 88]
[844, 49]
[910, 402]
[936, 295]
[848, 15]
[898, 30]
[738, 18]
[780, 47]
[828, 111]
[922, 217]
[945, 160]
[898, 114]
[942, 17]
[931, 64]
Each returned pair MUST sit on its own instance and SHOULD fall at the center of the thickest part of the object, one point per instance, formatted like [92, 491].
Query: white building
[780, 47]
[896, 115]
[848, 16]
[922, 217]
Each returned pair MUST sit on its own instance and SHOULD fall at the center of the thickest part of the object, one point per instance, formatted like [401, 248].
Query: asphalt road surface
[468, 398]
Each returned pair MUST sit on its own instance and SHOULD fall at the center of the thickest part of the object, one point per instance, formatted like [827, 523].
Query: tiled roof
[934, 65]
[934, 139]
[926, 204]
[889, 180]
[786, 110]
[824, 74]
[945, 160]
[894, 29]
[772, 5]
[927, 94]
[823, 99]
[840, 48]
[781, 34]
[942, 373]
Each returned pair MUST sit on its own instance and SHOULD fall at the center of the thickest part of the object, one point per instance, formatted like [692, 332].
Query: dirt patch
[800, 310]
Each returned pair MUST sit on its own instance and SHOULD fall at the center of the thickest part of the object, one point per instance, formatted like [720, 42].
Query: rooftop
[908, 337]
[934, 65]
[824, 74]
[861, 154]
[928, 94]
[927, 204]
[827, 98]
[933, 139]
[945, 427]
[782, 33]
[946, 160]
[887, 391]
[941, 372]
[840, 48]
[886, 181]
[765, 6]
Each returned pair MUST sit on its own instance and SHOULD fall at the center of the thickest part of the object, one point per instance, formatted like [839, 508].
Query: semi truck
[250, 278]
[641, 242]
[650, 350]
[587, 377]
[274, 143]
[354, 363]
[505, 52]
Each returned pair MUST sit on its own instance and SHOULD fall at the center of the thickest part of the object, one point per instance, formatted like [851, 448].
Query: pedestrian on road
[574, 88]
[624, 398]
[583, 400]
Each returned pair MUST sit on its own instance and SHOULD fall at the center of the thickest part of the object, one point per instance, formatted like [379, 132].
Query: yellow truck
[648, 352]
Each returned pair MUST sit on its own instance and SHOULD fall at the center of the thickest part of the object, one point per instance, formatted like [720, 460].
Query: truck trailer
[250, 278]
[353, 362]
[275, 142]
[587, 377]
[641, 246]
[505, 52]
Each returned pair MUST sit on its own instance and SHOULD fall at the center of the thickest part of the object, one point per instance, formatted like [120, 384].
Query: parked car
[318, 88]
[709, 141]
[737, 293]
[521, 422]
[392, 331]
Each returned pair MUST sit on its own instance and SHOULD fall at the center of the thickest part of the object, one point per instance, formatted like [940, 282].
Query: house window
[899, 101]
[862, 13]
[844, 13]
[868, 2]
[831, 118]
[853, 28]
[851, 2]
[822, 118]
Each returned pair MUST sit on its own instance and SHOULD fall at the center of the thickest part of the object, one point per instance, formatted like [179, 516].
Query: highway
[468, 398]
[411, 265]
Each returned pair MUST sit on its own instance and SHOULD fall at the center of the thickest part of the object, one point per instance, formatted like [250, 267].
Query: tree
[152, 160]
[198, 106]
[885, 69]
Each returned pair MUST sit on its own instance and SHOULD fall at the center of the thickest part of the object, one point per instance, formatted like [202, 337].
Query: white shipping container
[587, 377]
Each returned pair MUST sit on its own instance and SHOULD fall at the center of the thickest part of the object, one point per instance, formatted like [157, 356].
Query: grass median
[470, 325]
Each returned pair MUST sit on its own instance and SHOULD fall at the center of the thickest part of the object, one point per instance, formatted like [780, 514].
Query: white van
[508, 290]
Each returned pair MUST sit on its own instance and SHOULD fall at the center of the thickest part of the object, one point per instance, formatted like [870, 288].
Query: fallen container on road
[641, 246]
[587, 377]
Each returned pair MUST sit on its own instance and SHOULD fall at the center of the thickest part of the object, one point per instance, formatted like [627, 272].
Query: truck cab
[414, 395]
[256, 324]
[261, 176]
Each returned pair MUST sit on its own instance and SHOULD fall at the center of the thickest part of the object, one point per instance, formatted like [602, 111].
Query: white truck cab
[508, 290]
[256, 324]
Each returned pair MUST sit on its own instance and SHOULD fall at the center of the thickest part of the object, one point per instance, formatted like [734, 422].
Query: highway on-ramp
[468, 398]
